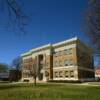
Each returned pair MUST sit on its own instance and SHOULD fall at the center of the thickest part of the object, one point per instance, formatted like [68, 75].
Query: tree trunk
[35, 81]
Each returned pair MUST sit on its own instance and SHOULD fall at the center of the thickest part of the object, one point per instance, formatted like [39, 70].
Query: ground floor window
[56, 74]
[66, 73]
[71, 73]
[61, 74]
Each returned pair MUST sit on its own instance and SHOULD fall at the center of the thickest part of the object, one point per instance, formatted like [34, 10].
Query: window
[46, 74]
[56, 74]
[56, 64]
[68, 62]
[68, 51]
[25, 75]
[60, 74]
[66, 74]
[60, 63]
[47, 64]
[60, 53]
[65, 51]
[71, 73]
[56, 54]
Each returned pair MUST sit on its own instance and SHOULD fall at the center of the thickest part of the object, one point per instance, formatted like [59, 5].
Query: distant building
[97, 73]
[4, 76]
[69, 60]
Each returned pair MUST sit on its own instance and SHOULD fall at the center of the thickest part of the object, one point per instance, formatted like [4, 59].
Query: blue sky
[50, 21]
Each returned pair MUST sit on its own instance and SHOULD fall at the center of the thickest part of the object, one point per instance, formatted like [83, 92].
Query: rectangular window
[71, 73]
[66, 73]
[56, 54]
[56, 63]
[68, 51]
[47, 64]
[60, 53]
[60, 74]
[60, 63]
[68, 62]
[56, 74]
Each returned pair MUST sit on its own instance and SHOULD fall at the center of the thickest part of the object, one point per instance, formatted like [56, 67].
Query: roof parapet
[36, 49]
[66, 41]
[26, 54]
[40, 48]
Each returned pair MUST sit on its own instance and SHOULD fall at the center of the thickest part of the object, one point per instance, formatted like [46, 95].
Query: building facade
[69, 60]
[4, 76]
[97, 73]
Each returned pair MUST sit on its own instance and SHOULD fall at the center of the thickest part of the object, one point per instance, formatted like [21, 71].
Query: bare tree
[17, 17]
[35, 70]
[92, 24]
[17, 63]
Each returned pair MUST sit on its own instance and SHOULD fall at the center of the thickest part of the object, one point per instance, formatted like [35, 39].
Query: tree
[15, 71]
[17, 17]
[93, 23]
[35, 70]
[3, 67]
[17, 63]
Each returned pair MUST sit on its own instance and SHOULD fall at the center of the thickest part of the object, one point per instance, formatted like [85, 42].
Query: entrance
[40, 65]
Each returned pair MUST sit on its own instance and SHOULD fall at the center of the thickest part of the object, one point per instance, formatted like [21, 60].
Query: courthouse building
[69, 60]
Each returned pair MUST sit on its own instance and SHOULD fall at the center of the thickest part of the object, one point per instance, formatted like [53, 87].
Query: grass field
[48, 92]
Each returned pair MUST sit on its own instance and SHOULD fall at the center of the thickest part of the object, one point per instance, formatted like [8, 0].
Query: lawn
[94, 83]
[48, 92]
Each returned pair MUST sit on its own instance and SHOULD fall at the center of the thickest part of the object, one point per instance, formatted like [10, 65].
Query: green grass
[94, 83]
[48, 92]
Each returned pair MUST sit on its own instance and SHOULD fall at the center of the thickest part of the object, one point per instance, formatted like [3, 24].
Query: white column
[44, 67]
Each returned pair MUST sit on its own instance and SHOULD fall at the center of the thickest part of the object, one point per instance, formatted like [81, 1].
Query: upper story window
[68, 51]
[68, 62]
[58, 53]
[71, 62]
[47, 64]
[27, 60]
[56, 64]
[60, 63]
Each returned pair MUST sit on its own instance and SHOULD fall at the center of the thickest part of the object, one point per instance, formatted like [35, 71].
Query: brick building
[97, 73]
[67, 60]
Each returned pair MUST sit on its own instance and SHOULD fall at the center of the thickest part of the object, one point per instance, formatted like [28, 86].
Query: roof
[66, 41]
[49, 45]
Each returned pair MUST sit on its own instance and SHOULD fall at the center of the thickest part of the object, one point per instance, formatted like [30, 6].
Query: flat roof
[66, 41]
[49, 45]
[39, 48]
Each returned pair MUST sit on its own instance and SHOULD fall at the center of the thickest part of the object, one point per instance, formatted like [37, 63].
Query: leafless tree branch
[17, 17]
[93, 23]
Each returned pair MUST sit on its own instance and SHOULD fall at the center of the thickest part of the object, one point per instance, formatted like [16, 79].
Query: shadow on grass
[4, 86]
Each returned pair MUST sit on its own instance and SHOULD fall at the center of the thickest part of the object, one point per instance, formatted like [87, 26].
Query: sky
[50, 21]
